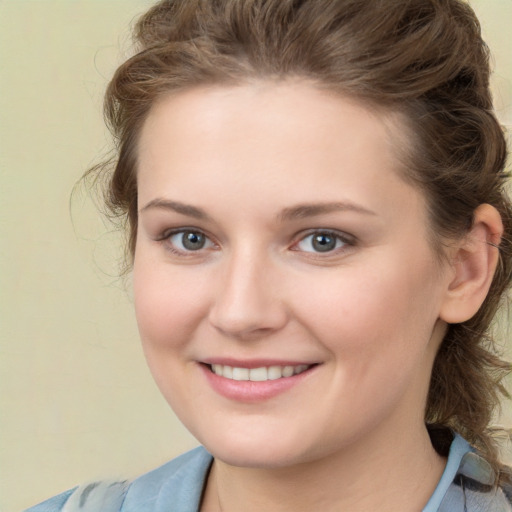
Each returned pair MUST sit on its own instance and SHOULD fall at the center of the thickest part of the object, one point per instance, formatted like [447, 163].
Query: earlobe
[474, 263]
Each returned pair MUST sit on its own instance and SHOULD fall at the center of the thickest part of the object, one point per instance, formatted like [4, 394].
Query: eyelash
[165, 239]
[343, 242]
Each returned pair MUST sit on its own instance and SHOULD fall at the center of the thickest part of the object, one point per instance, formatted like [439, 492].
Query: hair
[422, 59]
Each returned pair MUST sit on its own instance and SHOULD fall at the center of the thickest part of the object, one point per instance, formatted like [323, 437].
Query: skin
[369, 313]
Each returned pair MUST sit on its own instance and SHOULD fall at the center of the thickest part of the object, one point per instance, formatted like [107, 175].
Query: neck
[401, 470]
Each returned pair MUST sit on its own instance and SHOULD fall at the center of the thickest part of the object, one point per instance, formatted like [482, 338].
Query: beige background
[76, 400]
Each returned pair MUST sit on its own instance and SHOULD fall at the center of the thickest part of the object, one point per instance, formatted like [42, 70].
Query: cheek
[389, 307]
[169, 302]
[378, 331]
[169, 305]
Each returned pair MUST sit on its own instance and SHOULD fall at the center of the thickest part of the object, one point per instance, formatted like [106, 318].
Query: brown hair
[423, 59]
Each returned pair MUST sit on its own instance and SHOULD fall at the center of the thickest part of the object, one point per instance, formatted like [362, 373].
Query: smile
[261, 374]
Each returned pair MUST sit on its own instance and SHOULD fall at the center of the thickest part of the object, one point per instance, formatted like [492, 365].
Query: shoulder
[472, 484]
[179, 481]
[54, 504]
[106, 496]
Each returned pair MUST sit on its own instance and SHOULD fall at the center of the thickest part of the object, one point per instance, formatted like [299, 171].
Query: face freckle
[305, 250]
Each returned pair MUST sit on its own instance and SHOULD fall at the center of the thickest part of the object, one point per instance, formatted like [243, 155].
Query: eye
[321, 241]
[188, 240]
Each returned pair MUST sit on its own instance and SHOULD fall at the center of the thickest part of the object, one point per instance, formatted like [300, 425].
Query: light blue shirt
[465, 486]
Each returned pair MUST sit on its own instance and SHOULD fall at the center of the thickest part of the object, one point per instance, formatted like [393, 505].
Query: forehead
[262, 138]
[295, 107]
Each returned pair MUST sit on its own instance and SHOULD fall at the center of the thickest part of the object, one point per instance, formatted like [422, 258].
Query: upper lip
[254, 363]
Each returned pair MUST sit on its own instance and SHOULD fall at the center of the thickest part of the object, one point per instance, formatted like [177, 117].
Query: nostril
[245, 321]
[247, 305]
[246, 334]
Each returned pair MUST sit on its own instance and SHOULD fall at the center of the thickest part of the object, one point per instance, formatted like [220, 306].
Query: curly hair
[422, 59]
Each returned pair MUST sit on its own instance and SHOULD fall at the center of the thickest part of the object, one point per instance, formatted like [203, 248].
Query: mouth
[261, 374]
[255, 381]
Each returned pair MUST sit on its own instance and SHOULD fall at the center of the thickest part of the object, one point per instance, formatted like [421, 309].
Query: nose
[249, 301]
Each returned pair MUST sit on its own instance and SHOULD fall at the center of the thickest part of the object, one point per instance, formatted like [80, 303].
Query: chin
[256, 458]
[277, 450]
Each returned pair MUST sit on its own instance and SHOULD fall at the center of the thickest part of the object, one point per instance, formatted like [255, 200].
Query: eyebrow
[300, 211]
[175, 206]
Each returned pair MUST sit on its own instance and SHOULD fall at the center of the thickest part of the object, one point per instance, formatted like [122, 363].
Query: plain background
[76, 400]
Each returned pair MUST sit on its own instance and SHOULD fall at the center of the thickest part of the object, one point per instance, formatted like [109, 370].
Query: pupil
[324, 243]
[193, 241]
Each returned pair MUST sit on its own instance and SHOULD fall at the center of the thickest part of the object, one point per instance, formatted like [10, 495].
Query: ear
[474, 262]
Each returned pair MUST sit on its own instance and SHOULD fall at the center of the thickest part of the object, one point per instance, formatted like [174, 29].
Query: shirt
[465, 486]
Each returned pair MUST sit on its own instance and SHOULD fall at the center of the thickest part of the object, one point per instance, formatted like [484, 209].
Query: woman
[320, 240]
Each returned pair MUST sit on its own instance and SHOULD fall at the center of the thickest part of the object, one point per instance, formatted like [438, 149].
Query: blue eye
[320, 241]
[189, 241]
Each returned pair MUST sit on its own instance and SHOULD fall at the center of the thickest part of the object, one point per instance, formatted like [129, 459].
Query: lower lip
[252, 391]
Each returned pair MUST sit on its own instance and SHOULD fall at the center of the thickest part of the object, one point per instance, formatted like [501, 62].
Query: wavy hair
[422, 59]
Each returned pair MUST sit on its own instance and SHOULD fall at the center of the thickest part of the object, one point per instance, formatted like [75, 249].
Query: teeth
[287, 371]
[274, 372]
[240, 374]
[225, 371]
[257, 374]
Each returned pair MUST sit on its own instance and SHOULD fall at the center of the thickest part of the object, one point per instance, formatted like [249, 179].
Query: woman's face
[287, 296]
